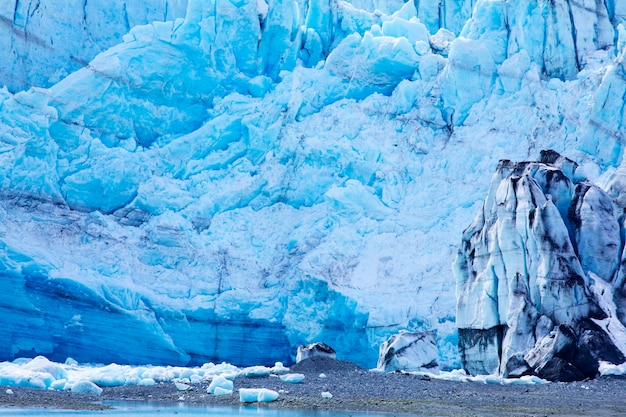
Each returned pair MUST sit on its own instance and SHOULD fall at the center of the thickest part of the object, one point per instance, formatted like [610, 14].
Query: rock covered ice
[250, 173]
[539, 287]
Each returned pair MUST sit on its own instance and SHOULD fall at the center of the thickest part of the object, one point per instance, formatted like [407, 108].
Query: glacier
[227, 180]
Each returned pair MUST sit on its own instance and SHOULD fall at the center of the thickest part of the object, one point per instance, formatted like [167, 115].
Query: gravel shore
[356, 389]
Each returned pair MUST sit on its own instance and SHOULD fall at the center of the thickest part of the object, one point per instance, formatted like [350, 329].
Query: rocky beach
[359, 390]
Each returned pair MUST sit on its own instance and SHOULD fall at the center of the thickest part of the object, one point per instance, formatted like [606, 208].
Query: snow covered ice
[226, 181]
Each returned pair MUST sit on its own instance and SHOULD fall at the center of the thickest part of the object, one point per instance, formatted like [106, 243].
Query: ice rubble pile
[540, 281]
[272, 174]
[41, 373]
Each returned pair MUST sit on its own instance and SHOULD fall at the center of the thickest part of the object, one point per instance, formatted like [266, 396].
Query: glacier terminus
[226, 180]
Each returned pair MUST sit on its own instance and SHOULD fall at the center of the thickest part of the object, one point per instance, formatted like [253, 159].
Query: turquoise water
[180, 410]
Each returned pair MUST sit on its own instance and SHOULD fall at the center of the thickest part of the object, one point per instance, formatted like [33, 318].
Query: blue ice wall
[61, 318]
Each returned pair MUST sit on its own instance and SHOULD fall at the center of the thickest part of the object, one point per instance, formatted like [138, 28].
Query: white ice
[292, 378]
[220, 386]
[252, 395]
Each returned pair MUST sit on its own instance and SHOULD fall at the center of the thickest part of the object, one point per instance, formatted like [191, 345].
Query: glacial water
[126, 409]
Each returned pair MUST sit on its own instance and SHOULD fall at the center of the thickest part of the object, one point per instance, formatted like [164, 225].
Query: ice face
[608, 118]
[279, 173]
[41, 42]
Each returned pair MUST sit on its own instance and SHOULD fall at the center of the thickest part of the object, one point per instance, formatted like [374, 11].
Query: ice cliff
[43, 41]
[278, 173]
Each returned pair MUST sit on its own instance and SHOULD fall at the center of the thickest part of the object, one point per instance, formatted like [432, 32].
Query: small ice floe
[219, 391]
[9, 391]
[182, 386]
[253, 395]
[523, 380]
[263, 371]
[41, 365]
[147, 382]
[71, 362]
[59, 385]
[220, 386]
[279, 369]
[86, 387]
[607, 368]
[292, 378]
[255, 372]
[323, 376]
[327, 394]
